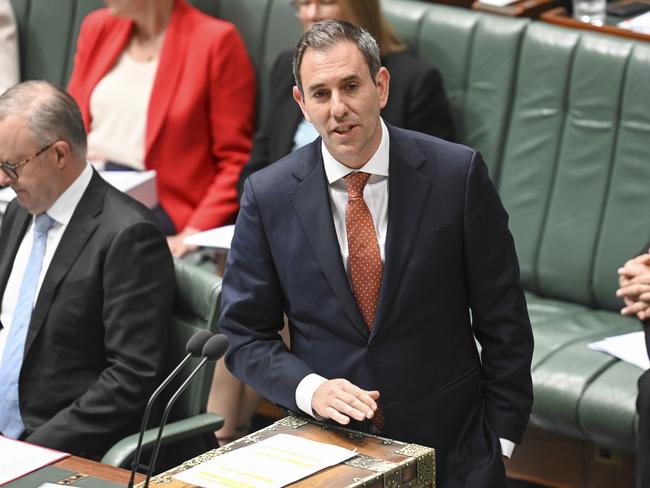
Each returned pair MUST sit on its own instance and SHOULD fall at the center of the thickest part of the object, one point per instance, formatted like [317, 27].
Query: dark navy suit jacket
[448, 252]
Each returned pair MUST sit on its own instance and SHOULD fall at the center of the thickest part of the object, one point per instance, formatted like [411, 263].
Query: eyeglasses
[11, 169]
[301, 6]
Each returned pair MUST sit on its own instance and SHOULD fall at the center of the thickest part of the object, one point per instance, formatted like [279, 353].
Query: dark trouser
[643, 453]
[163, 219]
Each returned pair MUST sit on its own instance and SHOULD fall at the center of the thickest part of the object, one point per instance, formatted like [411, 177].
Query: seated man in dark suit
[86, 285]
[634, 281]
[389, 252]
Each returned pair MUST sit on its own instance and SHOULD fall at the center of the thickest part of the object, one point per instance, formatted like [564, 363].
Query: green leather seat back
[476, 55]
[268, 28]
[625, 218]
[536, 133]
[574, 161]
[196, 307]
[406, 18]
[282, 32]
[251, 19]
[46, 35]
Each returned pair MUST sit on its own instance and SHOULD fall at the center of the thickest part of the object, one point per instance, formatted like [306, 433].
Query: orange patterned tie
[364, 260]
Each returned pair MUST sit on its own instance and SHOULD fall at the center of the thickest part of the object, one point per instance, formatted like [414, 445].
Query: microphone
[213, 349]
[194, 348]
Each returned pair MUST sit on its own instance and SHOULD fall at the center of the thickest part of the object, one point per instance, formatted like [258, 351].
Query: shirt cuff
[305, 392]
[507, 447]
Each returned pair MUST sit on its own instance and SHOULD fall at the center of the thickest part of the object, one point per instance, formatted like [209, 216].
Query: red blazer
[200, 118]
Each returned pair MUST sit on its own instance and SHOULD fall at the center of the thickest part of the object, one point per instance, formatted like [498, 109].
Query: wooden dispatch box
[381, 462]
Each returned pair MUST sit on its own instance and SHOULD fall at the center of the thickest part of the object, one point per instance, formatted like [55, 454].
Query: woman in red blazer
[199, 119]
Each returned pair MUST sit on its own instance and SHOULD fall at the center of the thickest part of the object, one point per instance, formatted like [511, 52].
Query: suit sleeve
[428, 109]
[499, 314]
[138, 286]
[232, 101]
[252, 312]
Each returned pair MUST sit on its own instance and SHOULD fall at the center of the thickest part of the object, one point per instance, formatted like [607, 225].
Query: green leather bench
[563, 120]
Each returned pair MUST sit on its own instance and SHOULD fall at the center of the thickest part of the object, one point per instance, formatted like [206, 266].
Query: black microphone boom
[213, 349]
[194, 348]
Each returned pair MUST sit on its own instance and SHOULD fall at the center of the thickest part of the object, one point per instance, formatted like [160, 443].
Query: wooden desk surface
[561, 17]
[98, 470]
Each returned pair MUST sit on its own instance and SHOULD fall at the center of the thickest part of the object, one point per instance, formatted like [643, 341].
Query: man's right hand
[340, 400]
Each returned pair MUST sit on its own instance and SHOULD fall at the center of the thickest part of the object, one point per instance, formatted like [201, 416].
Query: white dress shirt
[375, 193]
[61, 211]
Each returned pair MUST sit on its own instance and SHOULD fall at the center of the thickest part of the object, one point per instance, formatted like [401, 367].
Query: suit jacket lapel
[81, 226]
[16, 231]
[312, 204]
[408, 189]
[168, 74]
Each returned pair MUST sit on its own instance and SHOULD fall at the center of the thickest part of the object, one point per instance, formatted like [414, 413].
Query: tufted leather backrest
[573, 160]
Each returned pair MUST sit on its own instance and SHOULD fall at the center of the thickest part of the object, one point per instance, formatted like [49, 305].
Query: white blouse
[118, 107]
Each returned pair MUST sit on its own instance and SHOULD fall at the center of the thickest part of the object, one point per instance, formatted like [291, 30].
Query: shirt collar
[376, 165]
[64, 206]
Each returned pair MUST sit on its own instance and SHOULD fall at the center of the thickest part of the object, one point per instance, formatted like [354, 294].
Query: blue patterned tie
[11, 423]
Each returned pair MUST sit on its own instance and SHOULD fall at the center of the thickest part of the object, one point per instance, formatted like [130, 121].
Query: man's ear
[382, 81]
[298, 97]
[62, 152]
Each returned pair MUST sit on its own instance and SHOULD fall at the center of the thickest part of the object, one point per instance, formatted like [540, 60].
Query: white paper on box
[272, 463]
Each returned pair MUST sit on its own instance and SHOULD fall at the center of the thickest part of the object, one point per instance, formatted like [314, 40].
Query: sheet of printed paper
[271, 463]
[20, 458]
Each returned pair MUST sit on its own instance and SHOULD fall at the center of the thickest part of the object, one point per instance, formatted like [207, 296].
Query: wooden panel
[557, 461]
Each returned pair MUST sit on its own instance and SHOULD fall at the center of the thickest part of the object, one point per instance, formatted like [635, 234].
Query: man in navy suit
[389, 252]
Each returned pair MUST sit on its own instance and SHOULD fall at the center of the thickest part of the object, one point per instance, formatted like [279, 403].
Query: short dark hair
[51, 113]
[323, 35]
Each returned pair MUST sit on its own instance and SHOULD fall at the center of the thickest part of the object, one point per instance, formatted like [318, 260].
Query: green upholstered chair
[196, 307]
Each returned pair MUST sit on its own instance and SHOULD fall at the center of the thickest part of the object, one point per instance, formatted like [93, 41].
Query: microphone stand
[163, 421]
